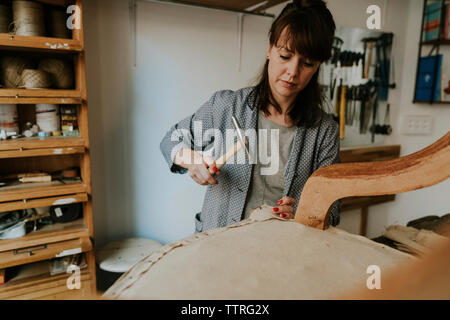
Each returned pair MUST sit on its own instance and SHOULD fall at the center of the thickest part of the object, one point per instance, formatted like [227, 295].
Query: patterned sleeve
[188, 133]
[329, 154]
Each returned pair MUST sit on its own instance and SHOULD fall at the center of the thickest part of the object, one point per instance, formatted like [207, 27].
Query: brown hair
[310, 31]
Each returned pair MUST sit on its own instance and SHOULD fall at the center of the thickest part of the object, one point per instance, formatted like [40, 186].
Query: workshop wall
[109, 88]
[183, 55]
[402, 17]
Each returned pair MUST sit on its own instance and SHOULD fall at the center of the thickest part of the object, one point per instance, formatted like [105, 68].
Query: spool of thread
[35, 79]
[47, 117]
[28, 18]
[5, 18]
[12, 69]
[60, 70]
[58, 25]
[9, 118]
[70, 173]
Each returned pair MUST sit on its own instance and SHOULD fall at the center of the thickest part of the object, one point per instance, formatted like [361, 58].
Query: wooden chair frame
[419, 170]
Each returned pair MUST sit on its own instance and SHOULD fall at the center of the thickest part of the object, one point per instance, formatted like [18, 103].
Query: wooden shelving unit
[48, 154]
[435, 47]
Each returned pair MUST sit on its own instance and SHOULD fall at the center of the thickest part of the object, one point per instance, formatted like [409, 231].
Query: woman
[287, 99]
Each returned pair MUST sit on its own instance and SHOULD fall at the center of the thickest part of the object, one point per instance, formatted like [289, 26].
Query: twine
[4, 18]
[58, 24]
[11, 70]
[28, 18]
[35, 79]
[60, 70]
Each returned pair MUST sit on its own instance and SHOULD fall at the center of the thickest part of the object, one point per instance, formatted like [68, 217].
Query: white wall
[403, 18]
[184, 54]
[109, 87]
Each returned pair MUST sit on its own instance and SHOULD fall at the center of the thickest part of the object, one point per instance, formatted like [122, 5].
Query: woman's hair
[309, 31]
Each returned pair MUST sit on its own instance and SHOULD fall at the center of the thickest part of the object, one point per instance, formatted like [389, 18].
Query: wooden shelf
[44, 202]
[37, 147]
[26, 144]
[28, 191]
[50, 154]
[372, 153]
[32, 43]
[46, 250]
[434, 102]
[48, 234]
[38, 93]
[348, 204]
[443, 42]
[36, 100]
[231, 5]
[33, 281]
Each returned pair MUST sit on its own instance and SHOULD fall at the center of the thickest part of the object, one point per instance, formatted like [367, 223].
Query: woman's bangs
[297, 35]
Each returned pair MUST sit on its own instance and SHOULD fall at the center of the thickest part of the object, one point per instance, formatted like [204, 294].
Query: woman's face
[289, 72]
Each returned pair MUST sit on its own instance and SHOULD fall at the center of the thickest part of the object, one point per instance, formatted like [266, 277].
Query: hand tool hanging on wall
[374, 109]
[342, 112]
[369, 97]
[384, 129]
[385, 42]
[337, 104]
[363, 97]
[368, 62]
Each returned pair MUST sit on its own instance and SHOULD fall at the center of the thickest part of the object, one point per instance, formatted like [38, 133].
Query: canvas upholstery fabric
[263, 257]
[223, 204]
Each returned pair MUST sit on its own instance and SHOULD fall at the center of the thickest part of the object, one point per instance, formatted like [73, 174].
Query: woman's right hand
[198, 166]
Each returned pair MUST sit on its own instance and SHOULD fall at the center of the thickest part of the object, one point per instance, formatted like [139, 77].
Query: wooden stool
[120, 256]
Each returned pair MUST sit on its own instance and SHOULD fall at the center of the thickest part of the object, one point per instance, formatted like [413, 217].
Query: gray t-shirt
[268, 189]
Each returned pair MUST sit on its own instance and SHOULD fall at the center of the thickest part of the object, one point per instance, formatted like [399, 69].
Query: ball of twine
[60, 70]
[11, 70]
[4, 18]
[35, 79]
[58, 24]
[28, 18]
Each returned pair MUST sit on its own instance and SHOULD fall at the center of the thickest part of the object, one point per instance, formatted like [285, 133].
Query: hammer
[242, 143]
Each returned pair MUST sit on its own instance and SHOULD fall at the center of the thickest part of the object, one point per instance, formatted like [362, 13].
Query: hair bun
[298, 4]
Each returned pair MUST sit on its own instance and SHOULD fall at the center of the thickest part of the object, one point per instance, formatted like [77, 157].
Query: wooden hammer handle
[223, 159]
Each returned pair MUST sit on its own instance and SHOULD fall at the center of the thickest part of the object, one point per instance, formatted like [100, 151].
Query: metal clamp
[30, 251]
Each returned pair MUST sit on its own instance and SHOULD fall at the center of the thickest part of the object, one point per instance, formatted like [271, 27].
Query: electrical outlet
[416, 125]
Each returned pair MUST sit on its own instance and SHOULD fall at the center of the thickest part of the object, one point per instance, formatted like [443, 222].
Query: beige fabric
[419, 241]
[262, 257]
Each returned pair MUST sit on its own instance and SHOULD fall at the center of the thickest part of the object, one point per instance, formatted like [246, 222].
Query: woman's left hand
[285, 208]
